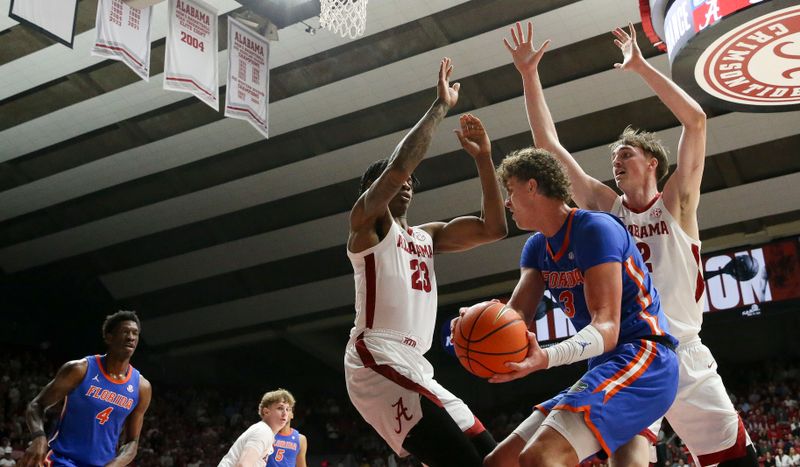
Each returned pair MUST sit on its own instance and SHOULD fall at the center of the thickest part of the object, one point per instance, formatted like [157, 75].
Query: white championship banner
[191, 63]
[247, 93]
[123, 33]
[56, 18]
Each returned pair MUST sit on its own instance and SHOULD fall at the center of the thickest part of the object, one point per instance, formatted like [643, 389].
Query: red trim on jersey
[700, 285]
[476, 428]
[47, 460]
[390, 373]
[369, 269]
[564, 245]
[108, 377]
[739, 449]
[649, 205]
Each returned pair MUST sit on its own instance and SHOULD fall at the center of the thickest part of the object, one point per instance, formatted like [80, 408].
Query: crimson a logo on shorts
[756, 63]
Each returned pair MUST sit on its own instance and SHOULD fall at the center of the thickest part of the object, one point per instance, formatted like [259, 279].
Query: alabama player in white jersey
[388, 379]
[666, 229]
[253, 447]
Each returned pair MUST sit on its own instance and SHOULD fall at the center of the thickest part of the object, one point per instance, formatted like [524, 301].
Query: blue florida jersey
[94, 414]
[587, 239]
[286, 448]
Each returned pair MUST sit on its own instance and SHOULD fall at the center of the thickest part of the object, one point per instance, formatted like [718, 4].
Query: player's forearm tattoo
[414, 146]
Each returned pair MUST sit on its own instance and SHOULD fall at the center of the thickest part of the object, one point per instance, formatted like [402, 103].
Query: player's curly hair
[374, 171]
[540, 165]
[278, 395]
[113, 320]
[647, 142]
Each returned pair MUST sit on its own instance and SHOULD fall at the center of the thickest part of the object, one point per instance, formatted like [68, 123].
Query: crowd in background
[192, 427]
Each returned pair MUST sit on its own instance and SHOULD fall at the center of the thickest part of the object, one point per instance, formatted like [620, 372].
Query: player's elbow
[497, 230]
[610, 333]
[698, 120]
[34, 408]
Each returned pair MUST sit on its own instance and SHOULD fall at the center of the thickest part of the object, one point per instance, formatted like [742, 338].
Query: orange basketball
[489, 335]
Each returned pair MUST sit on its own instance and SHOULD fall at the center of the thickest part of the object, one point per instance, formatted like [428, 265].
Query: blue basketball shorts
[623, 392]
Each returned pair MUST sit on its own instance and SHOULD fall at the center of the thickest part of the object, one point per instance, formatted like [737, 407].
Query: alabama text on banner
[247, 93]
[123, 33]
[191, 62]
[55, 18]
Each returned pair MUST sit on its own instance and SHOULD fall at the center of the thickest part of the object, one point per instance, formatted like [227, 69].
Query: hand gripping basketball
[488, 335]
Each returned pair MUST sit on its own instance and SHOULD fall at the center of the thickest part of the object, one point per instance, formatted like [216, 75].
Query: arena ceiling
[220, 238]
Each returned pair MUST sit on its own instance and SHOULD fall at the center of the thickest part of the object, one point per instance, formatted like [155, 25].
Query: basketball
[489, 335]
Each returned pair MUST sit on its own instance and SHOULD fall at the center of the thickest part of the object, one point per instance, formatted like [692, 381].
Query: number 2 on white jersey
[644, 250]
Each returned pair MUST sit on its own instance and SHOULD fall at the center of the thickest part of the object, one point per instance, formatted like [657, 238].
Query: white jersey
[673, 258]
[259, 437]
[396, 288]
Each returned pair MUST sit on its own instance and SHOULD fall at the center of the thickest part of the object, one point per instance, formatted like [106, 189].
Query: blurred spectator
[192, 427]
[7, 461]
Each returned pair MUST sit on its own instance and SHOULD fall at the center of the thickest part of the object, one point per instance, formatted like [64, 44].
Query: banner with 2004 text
[191, 63]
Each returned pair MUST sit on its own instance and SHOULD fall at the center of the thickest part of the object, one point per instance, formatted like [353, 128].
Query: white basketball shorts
[385, 380]
[702, 414]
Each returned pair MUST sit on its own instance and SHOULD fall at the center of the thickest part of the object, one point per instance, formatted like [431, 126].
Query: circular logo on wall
[756, 63]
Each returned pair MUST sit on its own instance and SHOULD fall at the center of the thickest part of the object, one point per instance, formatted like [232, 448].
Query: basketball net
[348, 18]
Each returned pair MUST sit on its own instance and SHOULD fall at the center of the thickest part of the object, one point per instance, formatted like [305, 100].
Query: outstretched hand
[535, 360]
[446, 93]
[526, 57]
[631, 54]
[473, 137]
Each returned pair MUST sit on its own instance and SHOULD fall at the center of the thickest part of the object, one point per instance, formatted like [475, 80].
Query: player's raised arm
[69, 376]
[463, 233]
[682, 191]
[407, 155]
[133, 427]
[588, 192]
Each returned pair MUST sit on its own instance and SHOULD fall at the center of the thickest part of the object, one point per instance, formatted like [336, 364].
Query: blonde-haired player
[253, 446]
[666, 230]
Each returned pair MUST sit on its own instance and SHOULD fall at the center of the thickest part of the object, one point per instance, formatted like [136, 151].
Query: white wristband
[584, 345]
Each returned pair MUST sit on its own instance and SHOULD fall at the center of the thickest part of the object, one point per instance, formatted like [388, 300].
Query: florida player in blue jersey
[103, 395]
[590, 263]
[290, 446]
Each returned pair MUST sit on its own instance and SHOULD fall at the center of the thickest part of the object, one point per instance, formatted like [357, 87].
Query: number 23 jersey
[396, 286]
